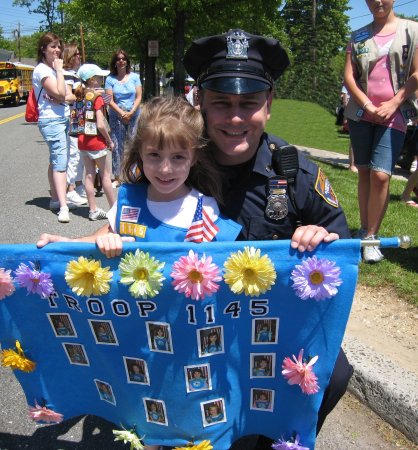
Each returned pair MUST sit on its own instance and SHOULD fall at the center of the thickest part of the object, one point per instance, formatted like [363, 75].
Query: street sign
[153, 49]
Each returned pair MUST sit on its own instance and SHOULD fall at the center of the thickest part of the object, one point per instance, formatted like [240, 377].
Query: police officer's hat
[236, 62]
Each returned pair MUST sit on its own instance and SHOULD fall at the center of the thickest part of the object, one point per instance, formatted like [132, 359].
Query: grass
[309, 125]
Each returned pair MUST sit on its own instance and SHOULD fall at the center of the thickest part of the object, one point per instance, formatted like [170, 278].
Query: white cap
[87, 71]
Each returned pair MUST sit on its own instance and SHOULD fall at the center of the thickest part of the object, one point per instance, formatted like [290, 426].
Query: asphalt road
[24, 215]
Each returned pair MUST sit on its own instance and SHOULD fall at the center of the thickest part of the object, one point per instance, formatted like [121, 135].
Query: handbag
[32, 111]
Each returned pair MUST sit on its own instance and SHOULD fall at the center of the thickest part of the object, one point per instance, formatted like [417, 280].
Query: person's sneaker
[73, 197]
[99, 214]
[64, 215]
[372, 253]
[360, 234]
[55, 205]
[413, 167]
[81, 191]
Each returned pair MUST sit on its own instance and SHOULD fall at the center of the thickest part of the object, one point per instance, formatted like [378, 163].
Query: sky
[11, 16]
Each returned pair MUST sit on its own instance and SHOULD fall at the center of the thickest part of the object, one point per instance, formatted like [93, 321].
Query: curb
[387, 389]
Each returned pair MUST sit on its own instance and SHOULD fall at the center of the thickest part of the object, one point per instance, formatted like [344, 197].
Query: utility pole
[83, 52]
[314, 42]
[17, 37]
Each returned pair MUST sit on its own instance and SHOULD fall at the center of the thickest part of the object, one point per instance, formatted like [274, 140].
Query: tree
[48, 8]
[318, 31]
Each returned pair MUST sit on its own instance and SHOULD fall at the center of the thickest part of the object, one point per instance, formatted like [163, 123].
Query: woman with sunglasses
[125, 89]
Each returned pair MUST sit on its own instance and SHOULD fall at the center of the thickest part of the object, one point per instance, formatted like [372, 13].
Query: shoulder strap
[37, 100]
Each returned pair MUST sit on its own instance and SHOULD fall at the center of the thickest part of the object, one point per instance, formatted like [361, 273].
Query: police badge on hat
[277, 208]
[237, 44]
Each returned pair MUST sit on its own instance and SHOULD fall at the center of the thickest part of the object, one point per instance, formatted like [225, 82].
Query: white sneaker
[73, 197]
[64, 215]
[55, 204]
[372, 254]
[99, 214]
[81, 191]
[413, 167]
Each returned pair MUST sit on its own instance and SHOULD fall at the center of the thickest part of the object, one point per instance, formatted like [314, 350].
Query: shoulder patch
[324, 189]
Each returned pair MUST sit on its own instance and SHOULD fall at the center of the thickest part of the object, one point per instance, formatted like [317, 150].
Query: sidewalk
[387, 389]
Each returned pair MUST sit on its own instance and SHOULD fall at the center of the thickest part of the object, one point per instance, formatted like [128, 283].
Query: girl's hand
[57, 64]
[110, 145]
[111, 244]
[386, 110]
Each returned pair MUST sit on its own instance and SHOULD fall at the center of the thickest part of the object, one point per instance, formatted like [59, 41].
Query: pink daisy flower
[35, 281]
[195, 277]
[43, 414]
[6, 284]
[297, 371]
[316, 278]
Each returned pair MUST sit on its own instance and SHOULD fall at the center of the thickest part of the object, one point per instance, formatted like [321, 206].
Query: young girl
[381, 74]
[169, 181]
[93, 136]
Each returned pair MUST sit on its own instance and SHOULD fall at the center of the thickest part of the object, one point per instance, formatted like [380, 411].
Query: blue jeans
[375, 146]
[55, 133]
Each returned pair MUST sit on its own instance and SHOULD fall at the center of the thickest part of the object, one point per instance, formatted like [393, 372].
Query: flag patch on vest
[324, 189]
[129, 214]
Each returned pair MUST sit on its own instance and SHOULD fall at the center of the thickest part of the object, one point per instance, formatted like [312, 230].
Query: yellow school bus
[15, 82]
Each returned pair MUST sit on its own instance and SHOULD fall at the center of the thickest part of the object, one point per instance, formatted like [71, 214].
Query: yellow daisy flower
[88, 277]
[249, 273]
[142, 273]
[204, 445]
[16, 360]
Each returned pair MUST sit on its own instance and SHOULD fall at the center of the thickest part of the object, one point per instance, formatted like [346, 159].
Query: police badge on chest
[276, 208]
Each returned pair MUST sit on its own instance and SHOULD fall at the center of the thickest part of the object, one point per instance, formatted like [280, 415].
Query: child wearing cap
[93, 135]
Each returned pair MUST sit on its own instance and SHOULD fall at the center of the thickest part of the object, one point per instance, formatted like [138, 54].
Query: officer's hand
[111, 244]
[308, 237]
[47, 238]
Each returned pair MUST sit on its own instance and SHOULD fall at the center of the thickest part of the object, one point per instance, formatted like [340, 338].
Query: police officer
[269, 188]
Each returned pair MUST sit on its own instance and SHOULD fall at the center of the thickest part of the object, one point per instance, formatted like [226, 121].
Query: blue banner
[186, 342]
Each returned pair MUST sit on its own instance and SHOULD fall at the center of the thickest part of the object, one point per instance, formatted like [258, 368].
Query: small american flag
[203, 228]
[129, 214]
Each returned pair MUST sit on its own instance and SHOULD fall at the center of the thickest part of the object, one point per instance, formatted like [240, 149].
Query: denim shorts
[375, 146]
[55, 133]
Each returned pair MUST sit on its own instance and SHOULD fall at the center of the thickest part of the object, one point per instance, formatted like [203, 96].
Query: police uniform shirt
[245, 198]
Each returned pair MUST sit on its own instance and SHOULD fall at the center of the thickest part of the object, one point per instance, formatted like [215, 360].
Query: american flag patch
[129, 214]
[203, 228]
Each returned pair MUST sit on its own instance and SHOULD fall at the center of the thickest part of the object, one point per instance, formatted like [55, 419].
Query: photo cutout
[198, 378]
[159, 337]
[136, 370]
[103, 332]
[265, 331]
[76, 354]
[262, 365]
[62, 325]
[262, 399]
[213, 412]
[155, 411]
[210, 341]
[105, 391]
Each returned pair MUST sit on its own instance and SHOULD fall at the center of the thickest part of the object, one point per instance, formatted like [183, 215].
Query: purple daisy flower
[316, 278]
[35, 281]
[288, 445]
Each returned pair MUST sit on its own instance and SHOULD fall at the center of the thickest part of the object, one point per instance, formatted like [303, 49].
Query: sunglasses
[76, 54]
[121, 59]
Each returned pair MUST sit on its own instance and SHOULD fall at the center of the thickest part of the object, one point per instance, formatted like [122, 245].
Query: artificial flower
[249, 272]
[204, 445]
[316, 278]
[293, 444]
[195, 277]
[143, 273]
[129, 436]
[35, 281]
[6, 284]
[301, 372]
[44, 414]
[88, 277]
[16, 360]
